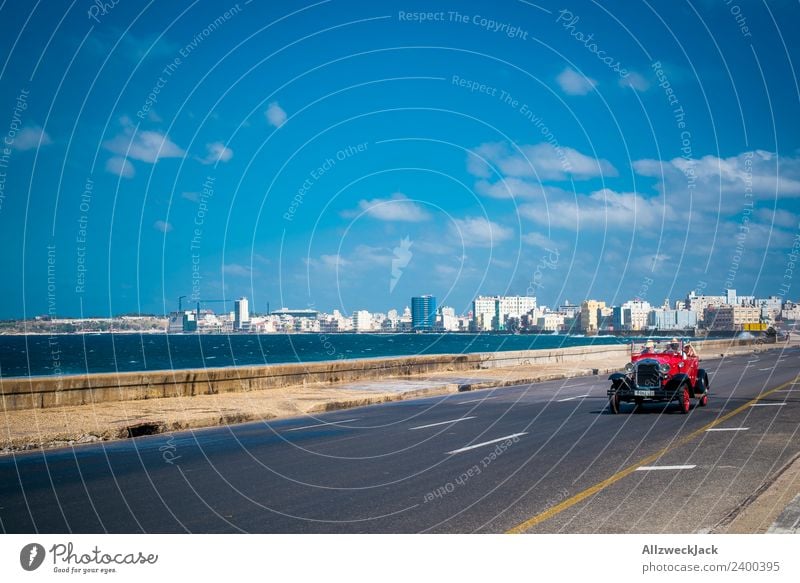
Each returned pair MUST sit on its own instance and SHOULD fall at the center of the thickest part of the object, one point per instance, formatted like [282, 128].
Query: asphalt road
[546, 457]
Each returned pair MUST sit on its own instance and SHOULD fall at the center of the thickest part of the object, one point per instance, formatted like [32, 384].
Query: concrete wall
[44, 392]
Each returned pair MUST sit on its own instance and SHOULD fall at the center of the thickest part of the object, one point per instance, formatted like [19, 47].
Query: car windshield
[656, 346]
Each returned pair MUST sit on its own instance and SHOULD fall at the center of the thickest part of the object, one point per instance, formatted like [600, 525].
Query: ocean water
[38, 355]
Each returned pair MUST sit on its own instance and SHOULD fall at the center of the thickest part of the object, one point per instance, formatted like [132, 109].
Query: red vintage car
[660, 371]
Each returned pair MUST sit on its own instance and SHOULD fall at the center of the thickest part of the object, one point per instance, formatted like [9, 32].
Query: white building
[514, 307]
[362, 321]
[733, 317]
[790, 311]
[447, 320]
[484, 310]
[770, 307]
[699, 304]
[241, 311]
[661, 319]
[492, 312]
[550, 322]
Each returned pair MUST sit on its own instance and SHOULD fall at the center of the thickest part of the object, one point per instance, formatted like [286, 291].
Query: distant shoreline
[604, 334]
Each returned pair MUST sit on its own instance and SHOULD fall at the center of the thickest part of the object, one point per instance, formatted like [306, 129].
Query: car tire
[638, 405]
[684, 399]
[613, 404]
[703, 401]
[701, 386]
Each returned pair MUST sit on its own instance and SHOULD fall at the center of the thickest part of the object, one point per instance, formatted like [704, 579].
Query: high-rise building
[423, 313]
[513, 307]
[732, 317]
[447, 320]
[661, 319]
[362, 321]
[591, 313]
[631, 315]
[484, 312]
[241, 314]
[492, 312]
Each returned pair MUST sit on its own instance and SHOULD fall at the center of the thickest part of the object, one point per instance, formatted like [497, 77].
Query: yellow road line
[583, 495]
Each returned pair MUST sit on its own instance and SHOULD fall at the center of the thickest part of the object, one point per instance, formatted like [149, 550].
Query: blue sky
[348, 155]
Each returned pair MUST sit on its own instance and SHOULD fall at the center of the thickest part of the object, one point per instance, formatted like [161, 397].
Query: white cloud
[217, 152]
[276, 116]
[635, 81]
[573, 83]
[724, 184]
[539, 161]
[121, 167]
[509, 188]
[480, 232]
[333, 262]
[778, 217]
[396, 208]
[362, 257]
[145, 146]
[162, 226]
[130, 46]
[539, 240]
[433, 246]
[237, 270]
[31, 137]
[600, 210]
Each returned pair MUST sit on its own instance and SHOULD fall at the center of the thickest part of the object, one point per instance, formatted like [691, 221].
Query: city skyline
[463, 151]
[231, 303]
[727, 312]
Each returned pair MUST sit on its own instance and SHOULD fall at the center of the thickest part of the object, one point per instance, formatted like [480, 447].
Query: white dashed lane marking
[649, 468]
[476, 400]
[441, 423]
[321, 425]
[728, 429]
[469, 447]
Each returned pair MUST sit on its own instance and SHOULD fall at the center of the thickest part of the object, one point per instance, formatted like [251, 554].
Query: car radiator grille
[647, 375]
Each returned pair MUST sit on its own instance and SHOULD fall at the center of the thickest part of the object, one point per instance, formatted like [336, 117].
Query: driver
[674, 346]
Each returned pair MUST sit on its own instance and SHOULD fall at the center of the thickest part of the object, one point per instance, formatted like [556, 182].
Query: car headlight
[629, 368]
[664, 368]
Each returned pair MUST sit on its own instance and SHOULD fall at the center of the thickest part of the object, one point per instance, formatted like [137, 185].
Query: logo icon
[31, 556]
[402, 256]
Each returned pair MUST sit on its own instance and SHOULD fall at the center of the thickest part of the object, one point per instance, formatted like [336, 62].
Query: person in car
[648, 347]
[689, 351]
[674, 346]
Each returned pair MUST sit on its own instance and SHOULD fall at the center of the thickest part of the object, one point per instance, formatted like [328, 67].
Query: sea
[68, 354]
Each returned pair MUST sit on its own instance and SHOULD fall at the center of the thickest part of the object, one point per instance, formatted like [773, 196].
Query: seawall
[46, 392]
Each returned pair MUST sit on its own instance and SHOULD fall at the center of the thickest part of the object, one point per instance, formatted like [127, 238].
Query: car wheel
[683, 398]
[639, 403]
[613, 403]
[703, 401]
[702, 383]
